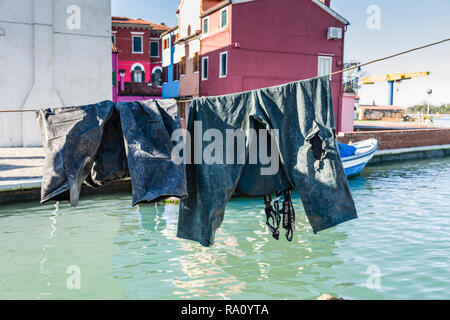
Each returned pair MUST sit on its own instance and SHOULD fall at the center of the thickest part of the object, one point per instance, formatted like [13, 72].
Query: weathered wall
[53, 53]
[189, 82]
[395, 139]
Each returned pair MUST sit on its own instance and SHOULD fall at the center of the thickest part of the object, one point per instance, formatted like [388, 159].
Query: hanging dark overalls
[302, 112]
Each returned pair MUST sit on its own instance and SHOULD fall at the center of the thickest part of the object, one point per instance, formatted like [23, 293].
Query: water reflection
[403, 231]
[245, 259]
[43, 269]
[200, 265]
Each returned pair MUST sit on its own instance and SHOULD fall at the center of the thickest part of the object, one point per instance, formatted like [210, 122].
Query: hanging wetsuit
[302, 112]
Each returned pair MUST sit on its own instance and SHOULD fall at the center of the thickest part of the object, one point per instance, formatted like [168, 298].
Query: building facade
[52, 54]
[171, 82]
[188, 46]
[253, 44]
[181, 56]
[140, 57]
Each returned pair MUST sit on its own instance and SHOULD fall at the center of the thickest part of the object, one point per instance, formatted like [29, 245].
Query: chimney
[162, 23]
[326, 2]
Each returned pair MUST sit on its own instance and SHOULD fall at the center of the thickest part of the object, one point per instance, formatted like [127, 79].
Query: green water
[399, 248]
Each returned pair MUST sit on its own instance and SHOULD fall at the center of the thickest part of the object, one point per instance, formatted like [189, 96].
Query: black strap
[288, 215]
[273, 215]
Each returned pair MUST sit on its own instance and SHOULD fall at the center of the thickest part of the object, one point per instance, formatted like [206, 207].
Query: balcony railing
[140, 89]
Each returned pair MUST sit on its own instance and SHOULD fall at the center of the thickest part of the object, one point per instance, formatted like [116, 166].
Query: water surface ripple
[397, 249]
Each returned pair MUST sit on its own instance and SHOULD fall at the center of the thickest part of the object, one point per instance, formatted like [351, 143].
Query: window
[166, 43]
[165, 75]
[176, 72]
[325, 64]
[138, 74]
[137, 44]
[157, 76]
[154, 49]
[205, 25]
[183, 66]
[182, 109]
[113, 39]
[196, 62]
[205, 68]
[224, 18]
[223, 68]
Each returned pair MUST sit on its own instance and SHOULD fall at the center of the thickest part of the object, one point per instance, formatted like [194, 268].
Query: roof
[195, 35]
[224, 3]
[218, 6]
[114, 48]
[168, 31]
[336, 15]
[126, 20]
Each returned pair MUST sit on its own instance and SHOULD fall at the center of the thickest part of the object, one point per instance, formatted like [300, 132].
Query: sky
[402, 25]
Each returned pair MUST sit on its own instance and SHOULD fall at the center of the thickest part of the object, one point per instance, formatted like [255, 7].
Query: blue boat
[355, 156]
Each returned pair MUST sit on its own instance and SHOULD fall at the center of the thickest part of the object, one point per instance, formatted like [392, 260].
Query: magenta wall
[265, 50]
[126, 65]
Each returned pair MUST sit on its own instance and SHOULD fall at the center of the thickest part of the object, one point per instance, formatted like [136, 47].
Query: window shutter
[196, 66]
[143, 76]
[183, 65]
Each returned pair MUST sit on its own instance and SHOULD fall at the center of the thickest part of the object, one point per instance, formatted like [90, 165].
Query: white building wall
[179, 52]
[189, 15]
[166, 53]
[54, 53]
[194, 47]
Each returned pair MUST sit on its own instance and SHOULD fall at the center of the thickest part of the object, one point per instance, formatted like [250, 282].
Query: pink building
[253, 44]
[139, 58]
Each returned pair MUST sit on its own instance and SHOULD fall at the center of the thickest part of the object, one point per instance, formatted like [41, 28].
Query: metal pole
[391, 93]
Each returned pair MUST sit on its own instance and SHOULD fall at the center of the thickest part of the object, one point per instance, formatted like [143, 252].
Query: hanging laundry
[101, 143]
[302, 113]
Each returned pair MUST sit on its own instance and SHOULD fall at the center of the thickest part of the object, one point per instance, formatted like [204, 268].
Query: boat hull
[365, 150]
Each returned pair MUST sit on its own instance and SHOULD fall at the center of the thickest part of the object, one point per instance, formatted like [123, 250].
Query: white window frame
[220, 65]
[203, 25]
[137, 64]
[157, 42]
[221, 17]
[203, 69]
[153, 71]
[114, 34]
[142, 43]
[330, 59]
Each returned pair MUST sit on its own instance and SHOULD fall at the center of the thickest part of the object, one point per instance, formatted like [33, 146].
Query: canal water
[443, 122]
[399, 248]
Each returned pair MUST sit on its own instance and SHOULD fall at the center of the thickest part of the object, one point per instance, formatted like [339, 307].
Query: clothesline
[331, 74]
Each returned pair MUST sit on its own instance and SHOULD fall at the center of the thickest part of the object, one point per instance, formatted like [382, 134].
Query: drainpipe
[122, 81]
[43, 93]
[341, 102]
